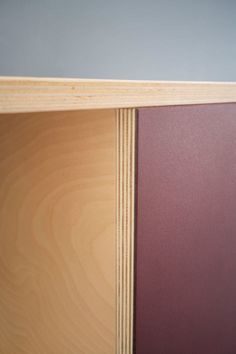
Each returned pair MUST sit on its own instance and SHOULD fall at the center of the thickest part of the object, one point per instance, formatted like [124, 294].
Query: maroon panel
[186, 230]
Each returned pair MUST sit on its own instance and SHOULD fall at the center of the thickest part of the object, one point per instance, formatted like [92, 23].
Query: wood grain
[57, 233]
[38, 94]
[125, 229]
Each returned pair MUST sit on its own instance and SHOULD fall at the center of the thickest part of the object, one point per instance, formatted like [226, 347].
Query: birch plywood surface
[126, 122]
[57, 233]
[19, 94]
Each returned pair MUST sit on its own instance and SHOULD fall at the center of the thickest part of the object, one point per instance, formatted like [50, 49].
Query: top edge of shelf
[35, 94]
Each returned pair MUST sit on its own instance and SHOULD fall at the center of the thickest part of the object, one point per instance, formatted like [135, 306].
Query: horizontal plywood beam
[42, 94]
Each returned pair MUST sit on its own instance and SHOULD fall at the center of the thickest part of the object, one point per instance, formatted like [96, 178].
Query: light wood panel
[37, 94]
[57, 233]
[125, 229]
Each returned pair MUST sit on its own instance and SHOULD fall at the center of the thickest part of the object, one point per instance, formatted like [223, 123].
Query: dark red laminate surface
[186, 230]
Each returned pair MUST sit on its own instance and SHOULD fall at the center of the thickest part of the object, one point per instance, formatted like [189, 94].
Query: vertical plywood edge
[125, 228]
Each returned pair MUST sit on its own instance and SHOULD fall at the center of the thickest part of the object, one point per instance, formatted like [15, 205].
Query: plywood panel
[186, 230]
[57, 233]
[19, 94]
[126, 124]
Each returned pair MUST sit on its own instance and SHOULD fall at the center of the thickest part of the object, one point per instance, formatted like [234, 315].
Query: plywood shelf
[67, 202]
[51, 94]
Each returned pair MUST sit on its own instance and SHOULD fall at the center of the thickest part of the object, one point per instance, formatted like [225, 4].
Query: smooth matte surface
[58, 233]
[108, 39]
[186, 230]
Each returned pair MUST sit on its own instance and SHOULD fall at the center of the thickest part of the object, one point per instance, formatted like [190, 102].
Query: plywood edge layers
[39, 95]
[125, 228]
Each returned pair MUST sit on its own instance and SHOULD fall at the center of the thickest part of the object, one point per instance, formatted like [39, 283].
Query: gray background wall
[122, 39]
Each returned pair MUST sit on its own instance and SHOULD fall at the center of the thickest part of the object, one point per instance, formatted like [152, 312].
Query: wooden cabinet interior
[67, 202]
[58, 232]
